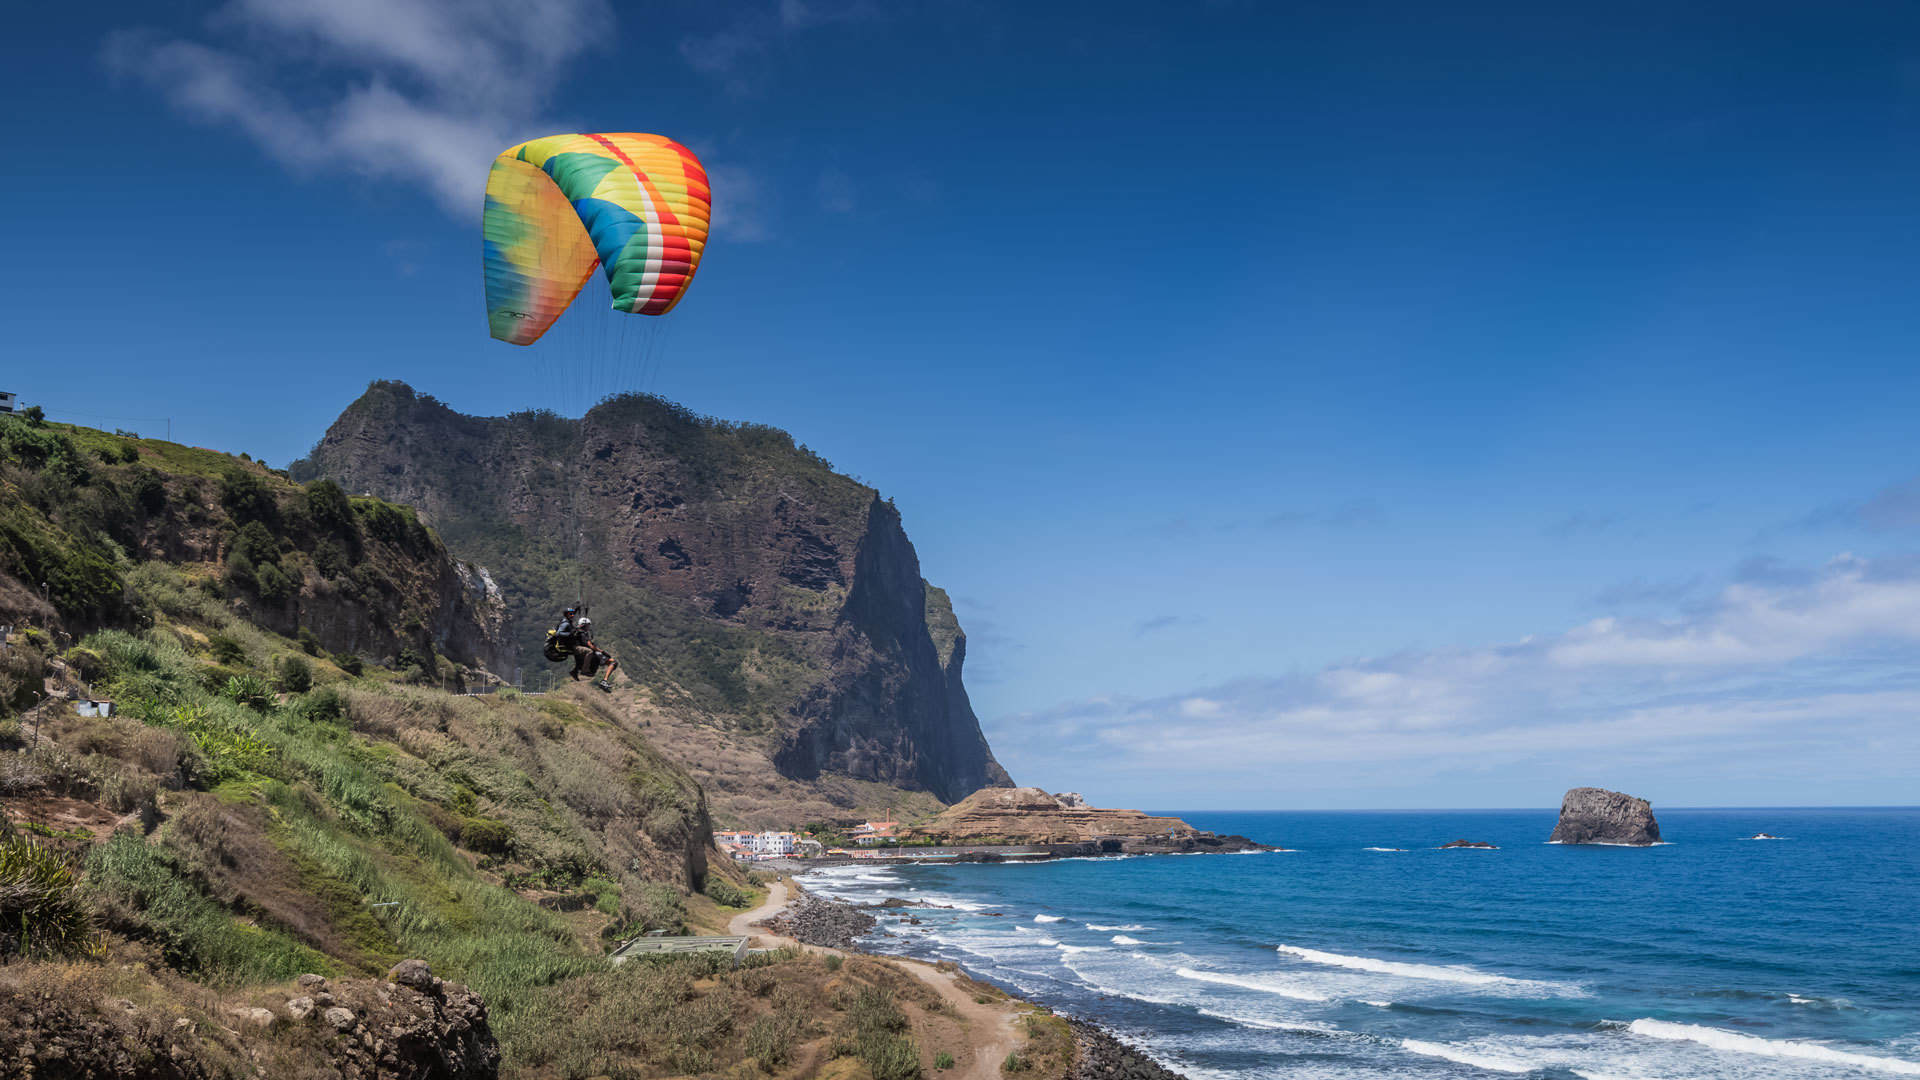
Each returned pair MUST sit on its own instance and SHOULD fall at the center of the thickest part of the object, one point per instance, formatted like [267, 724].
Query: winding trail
[991, 1031]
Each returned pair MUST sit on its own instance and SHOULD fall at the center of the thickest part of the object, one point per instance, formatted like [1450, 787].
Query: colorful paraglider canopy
[637, 205]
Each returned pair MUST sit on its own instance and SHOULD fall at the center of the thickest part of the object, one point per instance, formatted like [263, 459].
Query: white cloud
[423, 91]
[1818, 671]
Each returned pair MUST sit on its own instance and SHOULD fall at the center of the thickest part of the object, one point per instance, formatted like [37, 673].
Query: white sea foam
[1385, 849]
[1735, 1042]
[1377, 1004]
[1046, 918]
[1404, 970]
[1079, 948]
[1250, 982]
[1111, 929]
[1476, 1059]
[1122, 939]
[1272, 1025]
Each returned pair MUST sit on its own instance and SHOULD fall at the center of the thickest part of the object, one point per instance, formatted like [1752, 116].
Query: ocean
[1363, 951]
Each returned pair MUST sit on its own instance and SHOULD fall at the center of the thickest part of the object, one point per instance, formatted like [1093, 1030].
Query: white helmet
[582, 623]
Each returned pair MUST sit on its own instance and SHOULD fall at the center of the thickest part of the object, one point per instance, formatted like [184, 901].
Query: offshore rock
[1598, 816]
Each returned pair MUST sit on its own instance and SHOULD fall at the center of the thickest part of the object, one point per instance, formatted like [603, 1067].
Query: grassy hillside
[287, 793]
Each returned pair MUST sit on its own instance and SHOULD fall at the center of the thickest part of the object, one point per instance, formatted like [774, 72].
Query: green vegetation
[263, 807]
[41, 909]
[879, 1036]
[943, 1060]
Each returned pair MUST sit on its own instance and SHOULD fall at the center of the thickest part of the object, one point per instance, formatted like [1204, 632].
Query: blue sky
[1416, 405]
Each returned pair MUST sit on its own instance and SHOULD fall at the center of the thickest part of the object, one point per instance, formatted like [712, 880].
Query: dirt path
[742, 923]
[990, 1027]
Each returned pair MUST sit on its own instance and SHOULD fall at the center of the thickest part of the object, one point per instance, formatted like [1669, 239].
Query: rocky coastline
[1099, 1054]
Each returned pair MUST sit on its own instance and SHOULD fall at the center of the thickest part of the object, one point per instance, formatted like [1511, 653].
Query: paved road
[991, 1034]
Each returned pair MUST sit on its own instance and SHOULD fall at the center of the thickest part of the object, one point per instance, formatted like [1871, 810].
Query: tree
[328, 508]
[246, 496]
[35, 415]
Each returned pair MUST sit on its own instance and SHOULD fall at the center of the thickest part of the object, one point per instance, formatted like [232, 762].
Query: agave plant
[248, 690]
[40, 906]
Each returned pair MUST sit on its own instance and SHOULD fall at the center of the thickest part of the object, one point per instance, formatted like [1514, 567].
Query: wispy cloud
[420, 91]
[1582, 524]
[1822, 668]
[1161, 622]
[738, 55]
[1640, 591]
[836, 191]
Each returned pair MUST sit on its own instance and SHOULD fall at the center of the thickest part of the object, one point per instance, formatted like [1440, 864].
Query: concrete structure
[657, 946]
[93, 707]
[8, 401]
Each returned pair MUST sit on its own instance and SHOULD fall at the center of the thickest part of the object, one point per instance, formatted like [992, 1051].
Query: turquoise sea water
[1711, 956]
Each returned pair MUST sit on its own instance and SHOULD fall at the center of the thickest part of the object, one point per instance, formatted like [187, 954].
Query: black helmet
[571, 611]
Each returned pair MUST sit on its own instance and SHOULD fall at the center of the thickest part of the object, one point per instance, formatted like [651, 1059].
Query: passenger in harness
[588, 657]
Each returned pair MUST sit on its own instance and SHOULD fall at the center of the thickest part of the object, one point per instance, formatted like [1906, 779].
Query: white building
[774, 843]
[8, 401]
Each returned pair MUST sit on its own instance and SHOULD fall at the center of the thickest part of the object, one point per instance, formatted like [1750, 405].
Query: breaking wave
[1246, 982]
[1737, 1043]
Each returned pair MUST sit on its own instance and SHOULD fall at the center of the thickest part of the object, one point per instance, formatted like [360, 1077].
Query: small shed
[93, 707]
[650, 945]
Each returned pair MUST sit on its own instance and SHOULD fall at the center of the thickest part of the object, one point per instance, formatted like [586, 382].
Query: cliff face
[735, 574]
[1597, 816]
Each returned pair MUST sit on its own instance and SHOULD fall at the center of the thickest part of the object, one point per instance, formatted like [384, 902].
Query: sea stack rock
[1597, 816]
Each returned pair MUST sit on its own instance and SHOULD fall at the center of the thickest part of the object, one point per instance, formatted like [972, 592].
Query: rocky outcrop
[825, 923]
[412, 1026]
[1099, 1055]
[1031, 816]
[734, 572]
[1467, 844]
[1598, 816]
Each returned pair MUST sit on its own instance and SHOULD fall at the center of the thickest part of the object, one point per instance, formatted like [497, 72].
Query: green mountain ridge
[771, 609]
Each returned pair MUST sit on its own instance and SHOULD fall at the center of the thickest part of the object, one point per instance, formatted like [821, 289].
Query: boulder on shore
[1467, 843]
[1598, 816]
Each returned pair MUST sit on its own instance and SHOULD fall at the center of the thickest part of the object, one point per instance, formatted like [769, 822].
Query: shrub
[486, 836]
[659, 907]
[331, 558]
[725, 893]
[834, 960]
[273, 584]
[879, 1038]
[247, 690]
[328, 508]
[322, 706]
[943, 1060]
[295, 676]
[1012, 1064]
[148, 490]
[308, 643]
[246, 496]
[85, 662]
[226, 650]
[348, 662]
[41, 909]
[239, 573]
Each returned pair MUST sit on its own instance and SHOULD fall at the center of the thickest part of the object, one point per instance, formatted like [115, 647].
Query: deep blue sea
[1363, 951]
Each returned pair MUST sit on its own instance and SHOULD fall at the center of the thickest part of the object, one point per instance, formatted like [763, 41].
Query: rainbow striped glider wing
[637, 205]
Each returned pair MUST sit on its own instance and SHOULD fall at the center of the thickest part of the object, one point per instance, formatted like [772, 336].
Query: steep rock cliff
[738, 577]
